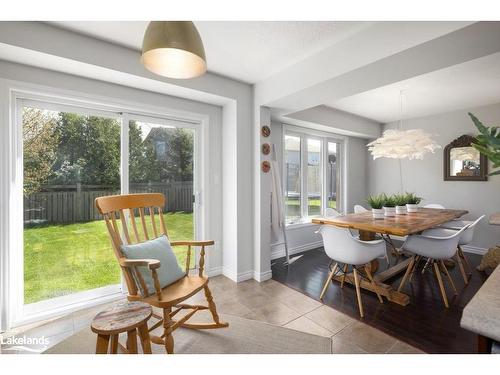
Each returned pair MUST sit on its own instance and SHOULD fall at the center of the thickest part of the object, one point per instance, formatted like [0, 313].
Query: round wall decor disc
[266, 148]
[265, 131]
[266, 166]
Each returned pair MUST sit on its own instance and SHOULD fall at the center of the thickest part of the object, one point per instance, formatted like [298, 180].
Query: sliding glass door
[161, 160]
[72, 155]
[69, 159]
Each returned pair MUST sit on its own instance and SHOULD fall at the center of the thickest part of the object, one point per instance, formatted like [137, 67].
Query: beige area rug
[243, 336]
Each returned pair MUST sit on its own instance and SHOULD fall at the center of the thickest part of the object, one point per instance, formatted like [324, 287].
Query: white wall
[301, 237]
[425, 177]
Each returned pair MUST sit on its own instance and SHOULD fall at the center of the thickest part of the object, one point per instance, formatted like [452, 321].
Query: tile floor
[271, 302]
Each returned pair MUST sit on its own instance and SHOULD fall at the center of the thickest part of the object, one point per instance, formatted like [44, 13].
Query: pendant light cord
[401, 128]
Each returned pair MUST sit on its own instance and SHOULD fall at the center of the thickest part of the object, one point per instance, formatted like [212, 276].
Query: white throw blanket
[276, 197]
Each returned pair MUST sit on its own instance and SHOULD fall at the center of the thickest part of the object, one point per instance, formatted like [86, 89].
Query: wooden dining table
[399, 225]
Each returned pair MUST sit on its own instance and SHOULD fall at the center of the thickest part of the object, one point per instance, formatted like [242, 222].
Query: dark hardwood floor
[425, 323]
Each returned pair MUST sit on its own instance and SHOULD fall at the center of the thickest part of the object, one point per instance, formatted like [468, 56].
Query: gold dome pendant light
[173, 49]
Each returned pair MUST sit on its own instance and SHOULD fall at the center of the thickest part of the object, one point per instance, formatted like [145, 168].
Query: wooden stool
[130, 317]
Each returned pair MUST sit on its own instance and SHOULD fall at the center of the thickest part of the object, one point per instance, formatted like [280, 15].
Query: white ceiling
[248, 51]
[471, 84]
[253, 51]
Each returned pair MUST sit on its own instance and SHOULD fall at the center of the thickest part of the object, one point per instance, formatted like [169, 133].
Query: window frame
[13, 312]
[325, 137]
[285, 180]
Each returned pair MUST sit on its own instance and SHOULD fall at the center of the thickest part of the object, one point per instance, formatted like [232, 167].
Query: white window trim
[325, 137]
[11, 290]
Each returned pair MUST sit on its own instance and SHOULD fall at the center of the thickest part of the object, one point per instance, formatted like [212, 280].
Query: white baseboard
[229, 274]
[216, 271]
[474, 249]
[262, 276]
[278, 251]
[244, 276]
[238, 278]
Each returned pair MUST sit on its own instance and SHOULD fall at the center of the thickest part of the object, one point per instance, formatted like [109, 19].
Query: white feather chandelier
[403, 144]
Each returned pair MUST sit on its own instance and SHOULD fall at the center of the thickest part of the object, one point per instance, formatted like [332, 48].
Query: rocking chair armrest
[201, 262]
[152, 264]
[192, 243]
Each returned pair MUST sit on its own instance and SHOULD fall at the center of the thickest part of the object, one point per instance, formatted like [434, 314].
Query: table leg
[145, 340]
[114, 343]
[384, 289]
[102, 344]
[366, 236]
[132, 341]
[373, 266]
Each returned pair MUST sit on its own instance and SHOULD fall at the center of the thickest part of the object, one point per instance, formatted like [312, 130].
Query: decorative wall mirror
[462, 162]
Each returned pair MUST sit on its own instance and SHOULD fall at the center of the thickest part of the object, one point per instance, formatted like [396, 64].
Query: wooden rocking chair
[123, 207]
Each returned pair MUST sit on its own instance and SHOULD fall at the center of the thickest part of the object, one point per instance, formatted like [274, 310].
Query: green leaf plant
[488, 143]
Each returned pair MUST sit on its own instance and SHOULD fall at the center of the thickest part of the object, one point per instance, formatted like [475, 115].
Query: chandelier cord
[401, 128]
[401, 176]
[396, 143]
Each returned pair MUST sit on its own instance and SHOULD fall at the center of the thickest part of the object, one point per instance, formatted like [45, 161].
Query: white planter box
[411, 208]
[400, 210]
[378, 213]
[390, 211]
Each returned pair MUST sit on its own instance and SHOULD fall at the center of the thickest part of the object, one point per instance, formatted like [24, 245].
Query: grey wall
[357, 169]
[425, 177]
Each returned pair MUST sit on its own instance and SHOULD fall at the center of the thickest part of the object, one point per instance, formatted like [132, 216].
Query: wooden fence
[71, 203]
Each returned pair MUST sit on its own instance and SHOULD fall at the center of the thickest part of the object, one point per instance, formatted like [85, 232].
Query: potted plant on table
[412, 202]
[389, 206]
[376, 202]
[400, 200]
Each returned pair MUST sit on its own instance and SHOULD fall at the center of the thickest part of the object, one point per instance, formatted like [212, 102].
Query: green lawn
[293, 206]
[64, 259]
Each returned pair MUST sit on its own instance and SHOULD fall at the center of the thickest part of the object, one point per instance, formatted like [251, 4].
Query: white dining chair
[331, 212]
[347, 251]
[434, 205]
[437, 247]
[465, 239]
[359, 209]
